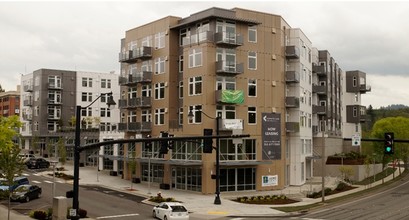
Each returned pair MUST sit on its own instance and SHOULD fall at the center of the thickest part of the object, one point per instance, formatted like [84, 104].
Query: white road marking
[36, 174]
[117, 216]
[25, 174]
[46, 181]
[35, 181]
[60, 181]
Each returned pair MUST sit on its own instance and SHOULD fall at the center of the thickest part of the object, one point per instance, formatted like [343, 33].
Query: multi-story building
[249, 69]
[10, 103]
[48, 112]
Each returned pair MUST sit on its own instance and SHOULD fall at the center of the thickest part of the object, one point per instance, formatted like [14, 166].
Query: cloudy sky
[371, 36]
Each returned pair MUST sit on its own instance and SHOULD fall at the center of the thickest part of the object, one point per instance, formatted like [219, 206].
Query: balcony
[135, 127]
[54, 102]
[319, 110]
[292, 127]
[229, 68]
[292, 77]
[28, 88]
[132, 56]
[27, 117]
[28, 102]
[292, 102]
[231, 124]
[54, 86]
[364, 88]
[230, 96]
[320, 90]
[53, 117]
[319, 70]
[143, 77]
[140, 102]
[292, 52]
[227, 39]
[206, 36]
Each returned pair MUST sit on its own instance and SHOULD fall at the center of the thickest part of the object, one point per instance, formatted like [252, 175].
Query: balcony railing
[228, 39]
[138, 102]
[54, 86]
[321, 90]
[54, 117]
[292, 102]
[319, 70]
[27, 117]
[228, 67]
[292, 77]
[28, 102]
[132, 56]
[28, 88]
[292, 127]
[206, 36]
[137, 77]
[364, 88]
[135, 127]
[319, 110]
[292, 52]
[54, 102]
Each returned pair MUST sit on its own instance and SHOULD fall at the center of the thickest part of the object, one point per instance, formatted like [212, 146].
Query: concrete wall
[360, 171]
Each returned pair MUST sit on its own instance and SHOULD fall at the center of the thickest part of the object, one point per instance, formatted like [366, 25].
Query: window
[226, 111]
[132, 92]
[160, 116]
[355, 112]
[252, 56]
[147, 41]
[354, 81]
[105, 83]
[160, 40]
[146, 91]
[195, 57]
[146, 66]
[180, 89]
[181, 64]
[180, 115]
[252, 85]
[86, 82]
[225, 83]
[253, 34]
[105, 112]
[86, 96]
[160, 90]
[195, 85]
[131, 116]
[146, 116]
[160, 65]
[197, 115]
[54, 97]
[86, 112]
[54, 82]
[252, 113]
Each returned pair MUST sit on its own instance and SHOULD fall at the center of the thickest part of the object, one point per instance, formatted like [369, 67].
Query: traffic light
[164, 144]
[207, 143]
[171, 142]
[388, 146]
[148, 144]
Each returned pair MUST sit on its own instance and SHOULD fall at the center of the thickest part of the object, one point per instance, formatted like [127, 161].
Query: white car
[26, 157]
[170, 211]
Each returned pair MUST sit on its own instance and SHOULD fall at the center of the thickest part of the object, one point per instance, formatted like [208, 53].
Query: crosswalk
[43, 181]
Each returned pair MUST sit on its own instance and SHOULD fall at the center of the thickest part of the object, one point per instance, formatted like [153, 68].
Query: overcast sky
[371, 36]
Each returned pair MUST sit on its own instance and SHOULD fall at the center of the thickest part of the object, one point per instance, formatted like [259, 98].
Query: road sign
[73, 212]
[356, 140]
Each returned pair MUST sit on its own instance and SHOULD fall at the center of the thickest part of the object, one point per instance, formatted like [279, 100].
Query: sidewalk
[200, 205]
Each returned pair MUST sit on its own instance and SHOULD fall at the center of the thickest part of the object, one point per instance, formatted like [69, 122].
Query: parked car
[21, 180]
[26, 157]
[170, 211]
[25, 193]
[37, 163]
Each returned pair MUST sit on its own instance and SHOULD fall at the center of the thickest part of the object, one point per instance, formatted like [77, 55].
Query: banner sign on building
[269, 180]
[271, 136]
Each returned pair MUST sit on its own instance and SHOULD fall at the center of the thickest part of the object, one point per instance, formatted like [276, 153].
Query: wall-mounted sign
[271, 180]
[271, 136]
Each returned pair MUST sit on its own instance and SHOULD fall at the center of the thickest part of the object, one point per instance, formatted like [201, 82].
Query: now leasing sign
[271, 136]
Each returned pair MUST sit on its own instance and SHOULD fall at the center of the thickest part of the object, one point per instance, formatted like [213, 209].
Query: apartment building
[50, 97]
[251, 70]
[10, 103]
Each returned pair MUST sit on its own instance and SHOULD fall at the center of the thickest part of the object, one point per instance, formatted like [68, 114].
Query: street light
[217, 200]
[77, 150]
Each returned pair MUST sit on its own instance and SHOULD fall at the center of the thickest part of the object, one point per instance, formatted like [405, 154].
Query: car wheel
[165, 218]
[27, 199]
[154, 214]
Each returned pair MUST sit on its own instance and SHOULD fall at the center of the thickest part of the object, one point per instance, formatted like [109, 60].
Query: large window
[253, 34]
[252, 57]
[252, 88]
[195, 57]
[225, 83]
[197, 115]
[180, 90]
[106, 83]
[226, 111]
[160, 65]
[105, 112]
[237, 179]
[156, 173]
[108, 163]
[160, 90]
[183, 150]
[146, 116]
[86, 82]
[55, 82]
[54, 97]
[86, 96]
[195, 85]
[160, 40]
[160, 116]
[188, 178]
[245, 151]
[252, 115]
[146, 91]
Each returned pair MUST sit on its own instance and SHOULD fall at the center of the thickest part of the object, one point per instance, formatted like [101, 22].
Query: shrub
[82, 213]
[40, 215]
[341, 186]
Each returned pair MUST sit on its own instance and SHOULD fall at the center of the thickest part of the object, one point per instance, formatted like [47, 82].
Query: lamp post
[77, 151]
[323, 128]
[217, 200]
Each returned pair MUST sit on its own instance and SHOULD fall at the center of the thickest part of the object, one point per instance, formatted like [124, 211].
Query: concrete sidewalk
[200, 205]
